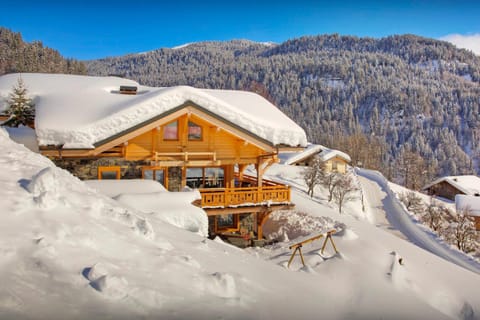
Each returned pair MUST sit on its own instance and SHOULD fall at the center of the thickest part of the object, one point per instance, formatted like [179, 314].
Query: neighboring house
[449, 187]
[470, 203]
[108, 127]
[335, 161]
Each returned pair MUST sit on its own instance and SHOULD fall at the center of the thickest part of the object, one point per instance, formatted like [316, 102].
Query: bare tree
[435, 215]
[330, 181]
[314, 174]
[461, 231]
[344, 191]
[412, 202]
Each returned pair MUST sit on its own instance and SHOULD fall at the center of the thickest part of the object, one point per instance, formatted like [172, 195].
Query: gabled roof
[469, 184]
[323, 152]
[78, 112]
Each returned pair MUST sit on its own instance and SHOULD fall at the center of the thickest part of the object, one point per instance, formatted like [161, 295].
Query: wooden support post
[299, 249]
[329, 236]
[261, 219]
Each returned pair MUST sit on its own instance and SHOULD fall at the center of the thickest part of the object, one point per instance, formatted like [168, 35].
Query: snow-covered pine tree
[21, 109]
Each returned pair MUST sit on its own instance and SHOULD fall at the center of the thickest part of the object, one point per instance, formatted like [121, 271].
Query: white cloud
[470, 42]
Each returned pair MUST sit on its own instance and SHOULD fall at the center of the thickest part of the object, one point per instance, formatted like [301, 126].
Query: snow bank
[172, 207]
[289, 225]
[471, 203]
[113, 188]
[78, 111]
[150, 197]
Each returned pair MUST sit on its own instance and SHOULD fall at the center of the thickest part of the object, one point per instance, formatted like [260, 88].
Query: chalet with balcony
[113, 128]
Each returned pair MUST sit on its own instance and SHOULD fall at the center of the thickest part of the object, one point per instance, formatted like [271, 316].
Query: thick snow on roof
[78, 111]
[324, 153]
[469, 184]
[468, 202]
[24, 135]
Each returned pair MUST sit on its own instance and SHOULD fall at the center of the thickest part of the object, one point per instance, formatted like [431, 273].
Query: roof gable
[468, 184]
[323, 152]
[172, 114]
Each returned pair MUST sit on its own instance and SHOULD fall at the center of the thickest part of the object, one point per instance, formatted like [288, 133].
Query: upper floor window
[194, 131]
[170, 131]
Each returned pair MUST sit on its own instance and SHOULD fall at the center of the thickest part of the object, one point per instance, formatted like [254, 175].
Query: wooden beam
[246, 209]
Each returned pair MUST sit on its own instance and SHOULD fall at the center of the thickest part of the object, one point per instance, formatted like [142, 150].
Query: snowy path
[383, 202]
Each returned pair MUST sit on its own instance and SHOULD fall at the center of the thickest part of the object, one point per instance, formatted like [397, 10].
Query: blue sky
[95, 29]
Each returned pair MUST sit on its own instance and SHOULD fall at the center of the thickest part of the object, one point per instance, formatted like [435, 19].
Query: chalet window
[225, 221]
[214, 178]
[334, 166]
[195, 178]
[194, 131]
[170, 131]
[112, 172]
[154, 174]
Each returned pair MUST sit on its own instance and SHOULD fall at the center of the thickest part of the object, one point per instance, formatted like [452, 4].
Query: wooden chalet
[335, 161]
[191, 144]
[449, 187]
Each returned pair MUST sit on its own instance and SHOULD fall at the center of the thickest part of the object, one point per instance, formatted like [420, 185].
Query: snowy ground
[66, 251]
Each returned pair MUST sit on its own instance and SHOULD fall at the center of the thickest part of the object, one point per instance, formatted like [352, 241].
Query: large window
[112, 172]
[205, 177]
[170, 131]
[225, 221]
[195, 178]
[194, 131]
[214, 178]
[154, 174]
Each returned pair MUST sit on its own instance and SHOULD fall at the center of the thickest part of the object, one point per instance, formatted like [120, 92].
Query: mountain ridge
[402, 93]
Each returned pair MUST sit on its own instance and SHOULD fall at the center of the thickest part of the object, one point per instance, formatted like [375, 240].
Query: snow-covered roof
[471, 202]
[79, 111]
[324, 153]
[469, 184]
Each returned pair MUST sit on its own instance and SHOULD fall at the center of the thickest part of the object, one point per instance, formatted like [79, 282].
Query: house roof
[78, 112]
[469, 184]
[324, 153]
[471, 202]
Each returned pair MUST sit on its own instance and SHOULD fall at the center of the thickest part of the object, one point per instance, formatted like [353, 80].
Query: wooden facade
[443, 189]
[192, 147]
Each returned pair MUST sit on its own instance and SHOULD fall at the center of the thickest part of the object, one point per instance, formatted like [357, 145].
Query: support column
[229, 176]
[261, 219]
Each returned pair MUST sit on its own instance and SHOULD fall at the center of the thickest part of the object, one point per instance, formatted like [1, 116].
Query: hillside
[400, 94]
[17, 55]
[67, 251]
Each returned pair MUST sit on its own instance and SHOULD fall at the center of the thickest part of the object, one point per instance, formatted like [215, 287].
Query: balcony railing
[251, 196]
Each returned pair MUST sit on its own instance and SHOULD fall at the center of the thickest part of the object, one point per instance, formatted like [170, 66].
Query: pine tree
[21, 109]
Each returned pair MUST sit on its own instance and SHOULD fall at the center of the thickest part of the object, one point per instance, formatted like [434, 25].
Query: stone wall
[87, 169]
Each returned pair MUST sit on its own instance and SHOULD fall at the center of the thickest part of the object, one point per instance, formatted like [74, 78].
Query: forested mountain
[406, 105]
[19, 56]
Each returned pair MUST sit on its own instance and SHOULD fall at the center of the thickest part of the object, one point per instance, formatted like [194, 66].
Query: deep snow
[67, 251]
[79, 111]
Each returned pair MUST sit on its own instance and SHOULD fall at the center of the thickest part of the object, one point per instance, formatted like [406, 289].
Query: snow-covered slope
[67, 251]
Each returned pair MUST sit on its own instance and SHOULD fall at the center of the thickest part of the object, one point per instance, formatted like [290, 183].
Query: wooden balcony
[245, 197]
